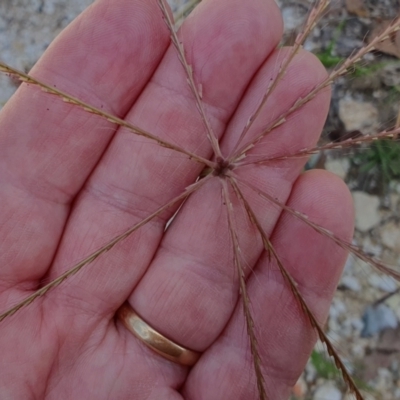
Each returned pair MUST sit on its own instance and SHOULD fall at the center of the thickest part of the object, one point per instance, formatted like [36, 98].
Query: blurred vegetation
[380, 161]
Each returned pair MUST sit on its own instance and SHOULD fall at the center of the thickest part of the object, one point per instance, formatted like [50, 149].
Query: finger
[47, 147]
[285, 336]
[190, 290]
[135, 177]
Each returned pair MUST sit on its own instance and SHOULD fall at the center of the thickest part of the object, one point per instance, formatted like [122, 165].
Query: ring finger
[191, 287]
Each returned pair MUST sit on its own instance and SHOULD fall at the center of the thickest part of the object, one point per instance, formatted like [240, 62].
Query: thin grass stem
[342, 69]
[112, 118]
[380, 266]
[197, 94]
[298, 296]
[89, 259]
[311, 22]
[386, 134]
[243, 292]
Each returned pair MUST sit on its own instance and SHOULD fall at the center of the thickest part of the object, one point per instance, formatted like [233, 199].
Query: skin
[70, 181]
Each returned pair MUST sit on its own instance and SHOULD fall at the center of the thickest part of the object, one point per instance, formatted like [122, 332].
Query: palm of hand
[78, 181]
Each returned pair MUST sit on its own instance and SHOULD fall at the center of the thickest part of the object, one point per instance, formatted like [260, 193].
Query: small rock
[384, 378]
[378, 318]
[339, 167]
[384, 283]
[334, 326]
[390, 236]
[395, 186]
[394, 366]
[358, 350]
[372, 247]
[390, 74]
[394, 200]
[357, 324]
[293, 17]
[394, 303]
[49, 8]
[351, 282]
[358, 115]
[346, 330]
[366, 208]
[327, 391]
[338, 307]
[366, 82]
[351, 259]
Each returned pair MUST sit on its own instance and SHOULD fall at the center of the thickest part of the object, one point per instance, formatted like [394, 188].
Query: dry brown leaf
[357, 7]
[389, 46]
[385, 354]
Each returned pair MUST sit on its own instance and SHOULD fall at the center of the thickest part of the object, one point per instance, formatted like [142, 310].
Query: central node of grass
[223, 166]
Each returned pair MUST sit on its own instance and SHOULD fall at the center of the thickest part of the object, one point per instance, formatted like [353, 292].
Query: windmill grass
[225, 169]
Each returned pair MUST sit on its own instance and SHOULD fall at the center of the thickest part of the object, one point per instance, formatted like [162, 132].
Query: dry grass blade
[244, 294]
[321, 334]
[314, 16]
[340, 70]
[94, 110]
[78, 267]
[296, 293]
[340, 242]
[190, 79]
[387, 134]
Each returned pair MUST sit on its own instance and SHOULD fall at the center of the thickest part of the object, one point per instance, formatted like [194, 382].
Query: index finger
[47, 147]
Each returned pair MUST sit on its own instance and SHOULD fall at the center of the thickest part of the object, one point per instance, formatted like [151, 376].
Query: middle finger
[191, 288]
[135, 177]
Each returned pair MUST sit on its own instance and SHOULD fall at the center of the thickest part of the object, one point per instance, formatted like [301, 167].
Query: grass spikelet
[348, 143]
[94, 110]
[243, 292]
[296, 293]
[359, 253]
[196, 91]
[104, 249]
[315, 14]
[340, 70]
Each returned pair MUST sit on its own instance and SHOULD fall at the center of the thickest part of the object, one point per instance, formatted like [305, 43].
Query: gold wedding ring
[151, 338]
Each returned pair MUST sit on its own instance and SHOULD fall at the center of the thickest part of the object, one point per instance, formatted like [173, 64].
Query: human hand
[71, 181]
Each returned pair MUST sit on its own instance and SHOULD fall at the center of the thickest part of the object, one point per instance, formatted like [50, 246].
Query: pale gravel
[27, 27]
